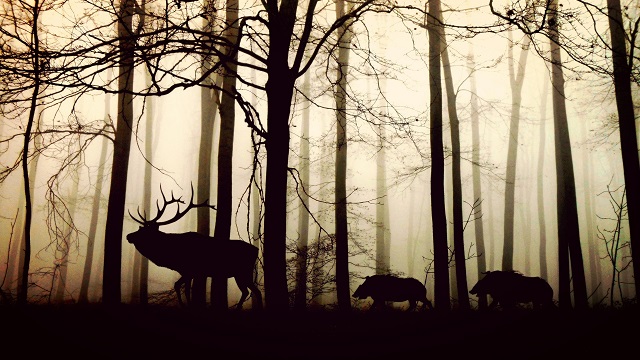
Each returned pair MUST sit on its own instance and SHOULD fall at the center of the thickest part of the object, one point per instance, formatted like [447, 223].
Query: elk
[192, 254]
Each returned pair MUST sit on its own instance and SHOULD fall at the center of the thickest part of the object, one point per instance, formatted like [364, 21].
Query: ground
[128, 332]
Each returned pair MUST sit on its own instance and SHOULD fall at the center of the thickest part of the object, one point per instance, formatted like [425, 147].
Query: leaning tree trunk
[438, 213]
[628, 136]
[569, 251]
[111, 284]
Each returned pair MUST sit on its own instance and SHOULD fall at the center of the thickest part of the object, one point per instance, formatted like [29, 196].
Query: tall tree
[438, 213]
[516, 80]
[303, 209]
[66, 237]
[477, 180]
[111, 284]
[569, 251]
[34, 44]
[83, 297]
[542, 224]
[209, 103]
[344, 35]
[628, 135]
[383, 265]
[140, 281]
[458, 228]
[225, 147]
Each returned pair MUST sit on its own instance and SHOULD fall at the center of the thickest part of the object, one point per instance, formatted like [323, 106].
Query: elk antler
[179, 214]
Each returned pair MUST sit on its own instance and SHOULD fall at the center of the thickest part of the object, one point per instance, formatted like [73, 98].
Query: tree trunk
[342, 236]
[303, 212]
[63, 265]
[279, 89]
[438, 214]
[628, 135]
[225, 150]
[383, 265]
[111, 284]
[23, 288]
[542, 224]
[458, 229]
[209, 102]
[568, 228]
[256, 205]
[93, 224]
[477, 183]
[512, 154]
[140, 281]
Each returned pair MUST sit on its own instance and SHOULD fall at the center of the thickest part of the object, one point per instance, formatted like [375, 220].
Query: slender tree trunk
[594, 258]
[477, 182]
[512, 154]
[458, 229]
[209, 102]
[303, 212]
[256, 206]
[628, 135]
[438, 213]
[24, 289]
[342, 236]
[67, 233]
[93, 224]
[111, 284]
[542, 224]
[411, 239]
[225, 150]
[568, 229]
[383, 265]
[140, 281]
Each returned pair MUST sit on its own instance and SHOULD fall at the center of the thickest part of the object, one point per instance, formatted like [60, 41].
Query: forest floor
[135, 332]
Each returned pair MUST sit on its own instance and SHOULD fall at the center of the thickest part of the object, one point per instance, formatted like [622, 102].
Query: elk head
[149, 228]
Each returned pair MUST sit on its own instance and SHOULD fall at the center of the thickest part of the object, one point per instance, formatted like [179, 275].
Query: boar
[509, 288]
[383, 288]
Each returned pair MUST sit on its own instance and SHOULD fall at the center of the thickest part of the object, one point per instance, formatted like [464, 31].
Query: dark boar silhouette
[509, 288]
[383, 288]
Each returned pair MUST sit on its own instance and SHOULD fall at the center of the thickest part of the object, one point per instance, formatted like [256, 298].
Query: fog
[398, 93]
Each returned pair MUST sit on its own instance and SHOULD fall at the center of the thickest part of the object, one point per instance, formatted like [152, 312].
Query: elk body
[193, 254]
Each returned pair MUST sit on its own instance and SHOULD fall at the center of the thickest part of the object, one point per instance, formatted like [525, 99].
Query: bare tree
[477, 181]
[438, 214]
[626, 117]
[516, 79]
[456, 178]
[569, 250]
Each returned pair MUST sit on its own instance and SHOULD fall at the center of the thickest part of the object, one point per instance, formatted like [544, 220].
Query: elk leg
[255, 292]
[178, 288]
[244, 284]
[187, 290]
